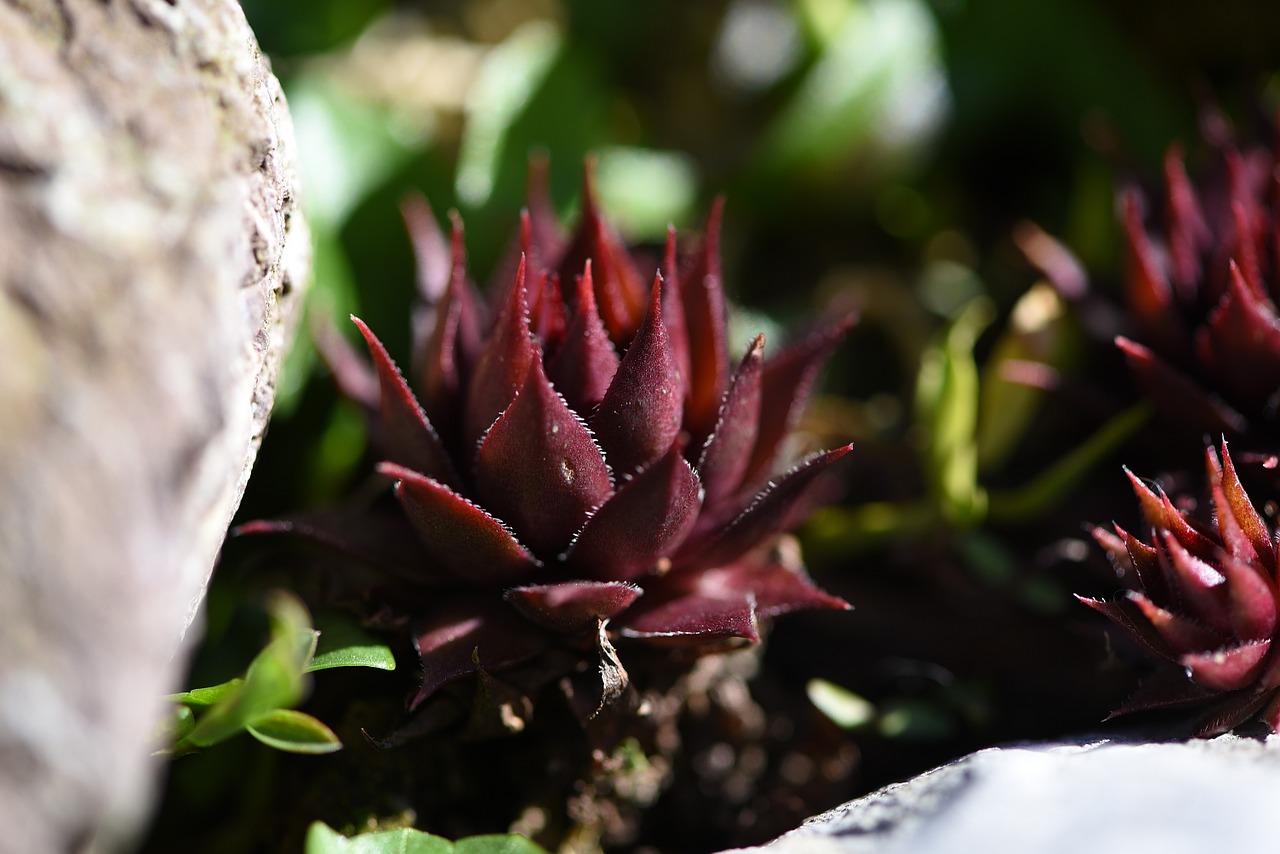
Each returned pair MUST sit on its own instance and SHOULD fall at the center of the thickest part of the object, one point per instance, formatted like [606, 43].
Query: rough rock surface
[1102, 796]
[150, 255]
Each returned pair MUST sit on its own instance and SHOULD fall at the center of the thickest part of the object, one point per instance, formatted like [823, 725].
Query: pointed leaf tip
[539, 468]
[410, 438]
[459, 535]
[573, 607]
[504, 363]
[640, 415]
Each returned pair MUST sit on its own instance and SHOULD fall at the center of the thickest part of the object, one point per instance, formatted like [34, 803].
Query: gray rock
[151, 255]
[1098, 796]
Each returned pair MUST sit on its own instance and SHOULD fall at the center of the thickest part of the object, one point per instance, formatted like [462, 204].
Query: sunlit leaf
[645, 190]
[947, 415]
[845, 708]
[878, 83]
[350, 149]
[343, 644]
[274, 679]
[496, 844]
[206, 696]
[294, 732]
[322, 839]
[1041, 334]
[511, 73]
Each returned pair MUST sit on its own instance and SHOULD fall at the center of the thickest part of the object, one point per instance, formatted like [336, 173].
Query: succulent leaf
[520, 529]
[642, 522]
[640, 414]
[457, 534]
[573, 607]
[1209, 601]
[539, 468]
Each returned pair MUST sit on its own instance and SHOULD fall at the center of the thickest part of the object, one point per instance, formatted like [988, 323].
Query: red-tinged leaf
[539, 469]
[587, 361]
[573, 607]
[546, 238]
[549, 317]
[1271, 714]
[411, 440]
[1235, 543]
[727, 451]
[1149, 294]
[645, 520]
[775, 577]
[1181, 633]
[503, 365]
[430, 249]
[1201, 590]
[785, 384]
[1113, 544]
[355, 378]
[640, 414]
[1146, 563]
[1240, 342]
[1235, 710]
[1188, 406]
[1243, 513]
[441, 377]
[776, 508]
[459, 535]
[1252, 600]
[450, 344]
[706, 324]
[1167, 688]
[1244, 255]
[673, 313]
[619, 287]
[466, 633]
[1188, 232]
[384, 541]
[1228, 669]
[1126, 615]
[693, 620]
[1163, 516]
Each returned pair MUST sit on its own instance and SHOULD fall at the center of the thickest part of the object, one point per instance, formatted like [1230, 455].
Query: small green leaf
[343, 644]
[947, 413]
[206, 696]
[496, 844]
[294, 732]
[274, 679]
[1041, 330]
[845, 708]
[321, 839]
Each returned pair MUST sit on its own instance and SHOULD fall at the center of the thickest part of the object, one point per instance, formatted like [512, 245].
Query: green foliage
[321, 839]
[969, 418]
[259, 702]
[877, 83]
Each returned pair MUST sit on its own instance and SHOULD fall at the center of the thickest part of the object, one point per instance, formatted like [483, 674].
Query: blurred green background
[894, 157]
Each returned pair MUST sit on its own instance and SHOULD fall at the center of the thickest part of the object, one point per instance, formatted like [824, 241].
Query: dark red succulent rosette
[1203, 291]
[581, 464]
[1207, 601]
